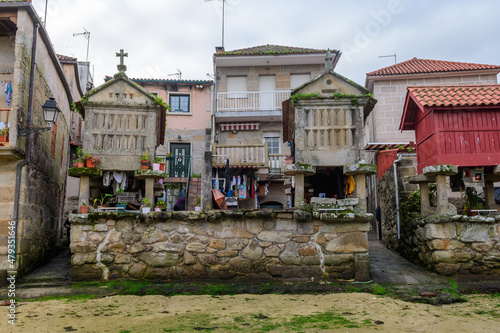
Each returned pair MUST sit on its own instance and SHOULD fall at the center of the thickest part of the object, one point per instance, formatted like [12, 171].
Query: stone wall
[256, 245]
[445, 244]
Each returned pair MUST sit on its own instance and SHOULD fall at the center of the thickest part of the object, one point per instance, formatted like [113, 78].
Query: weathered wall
[260, 245]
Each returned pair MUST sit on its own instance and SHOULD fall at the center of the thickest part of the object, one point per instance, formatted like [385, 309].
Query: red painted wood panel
[458, 137]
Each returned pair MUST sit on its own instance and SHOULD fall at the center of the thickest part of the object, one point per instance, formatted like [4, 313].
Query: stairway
[194, 192]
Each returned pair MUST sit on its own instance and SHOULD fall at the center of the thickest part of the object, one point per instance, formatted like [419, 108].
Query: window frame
[180, 94]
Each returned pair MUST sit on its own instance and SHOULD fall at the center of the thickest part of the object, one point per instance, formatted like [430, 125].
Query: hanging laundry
[8, 93]
[349, 186]
[106, 178]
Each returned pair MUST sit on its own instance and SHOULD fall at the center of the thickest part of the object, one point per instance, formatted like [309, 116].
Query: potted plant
[122, 206]
[197, 204]
[160, 205]
[146, 205]
[156, 164]
[471, 201]
[161, 161]
[145, 162]
[289, 160]
[100, 202]
[84, 209]
[80, 161]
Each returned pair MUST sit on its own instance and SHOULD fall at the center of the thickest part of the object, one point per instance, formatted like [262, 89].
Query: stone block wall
[219, 245]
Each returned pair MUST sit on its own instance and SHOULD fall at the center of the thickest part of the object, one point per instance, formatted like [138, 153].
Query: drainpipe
[398, 218]
[27, 155]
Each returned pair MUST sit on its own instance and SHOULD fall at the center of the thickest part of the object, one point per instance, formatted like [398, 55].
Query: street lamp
[50, 113]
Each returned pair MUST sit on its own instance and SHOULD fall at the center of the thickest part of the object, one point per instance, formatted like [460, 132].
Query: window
[236, 84]
[273, 144]
[298, 80]
[179, 103]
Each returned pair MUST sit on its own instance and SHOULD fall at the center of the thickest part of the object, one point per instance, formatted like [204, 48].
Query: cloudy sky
[162, 36]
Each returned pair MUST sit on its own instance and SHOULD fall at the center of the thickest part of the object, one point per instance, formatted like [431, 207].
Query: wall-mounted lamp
[50, 113]
[235, 131]
[179, 138]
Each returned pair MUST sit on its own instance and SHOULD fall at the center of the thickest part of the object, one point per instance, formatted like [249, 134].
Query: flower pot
[121, 207]
[75, 164]
[80, 164]
[156, 166]
[89, 163]
[84, 209]
[288, 161]
[145, 164]
[197, 208]
[157, 209]
[146, 210]
[162, 166]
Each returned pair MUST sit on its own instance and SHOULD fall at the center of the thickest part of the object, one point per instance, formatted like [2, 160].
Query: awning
[240, 126]
[384, 146]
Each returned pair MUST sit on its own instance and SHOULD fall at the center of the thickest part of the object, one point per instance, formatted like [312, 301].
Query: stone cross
[121, 67]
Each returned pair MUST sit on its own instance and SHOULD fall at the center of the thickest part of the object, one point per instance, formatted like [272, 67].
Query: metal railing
[251, 100]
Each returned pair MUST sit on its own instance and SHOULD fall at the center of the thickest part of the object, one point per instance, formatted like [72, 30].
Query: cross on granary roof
[121, 67]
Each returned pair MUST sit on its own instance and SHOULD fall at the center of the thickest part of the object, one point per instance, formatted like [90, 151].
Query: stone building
[33, 167]
[326, 123]
[251, 85]
[122, 122]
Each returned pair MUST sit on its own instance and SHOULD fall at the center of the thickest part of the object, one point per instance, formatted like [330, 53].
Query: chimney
[219, 49]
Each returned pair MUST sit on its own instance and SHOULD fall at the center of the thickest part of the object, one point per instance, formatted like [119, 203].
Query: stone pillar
[360, 190]
[206, 181]
[359, 171]
[84, 190]
[300, 171]
[149, 193]
[441, 172]
[425, 205]
[299, 190]
[489, 195]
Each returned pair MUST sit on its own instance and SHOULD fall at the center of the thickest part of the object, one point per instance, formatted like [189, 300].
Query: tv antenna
[390, 55]
[86, 35]
[223, 3]
[179, 74]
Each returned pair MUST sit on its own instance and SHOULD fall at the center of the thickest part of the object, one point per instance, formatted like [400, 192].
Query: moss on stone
[78, 172]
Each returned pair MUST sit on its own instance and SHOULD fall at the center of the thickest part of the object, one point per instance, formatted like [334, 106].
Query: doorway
[179, 166]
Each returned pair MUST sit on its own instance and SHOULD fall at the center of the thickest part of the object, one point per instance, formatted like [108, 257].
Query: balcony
[249, 156]
[250, 105]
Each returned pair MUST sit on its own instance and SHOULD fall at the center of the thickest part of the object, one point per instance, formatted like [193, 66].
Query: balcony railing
[4, 126]
[251, 100]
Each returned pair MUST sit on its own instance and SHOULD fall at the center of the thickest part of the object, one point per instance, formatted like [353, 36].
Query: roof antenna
[85, 34]
[223, 2]
[390, 55]
[179, 74]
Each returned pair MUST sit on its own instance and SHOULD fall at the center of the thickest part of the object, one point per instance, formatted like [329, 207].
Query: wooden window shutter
[288, 120]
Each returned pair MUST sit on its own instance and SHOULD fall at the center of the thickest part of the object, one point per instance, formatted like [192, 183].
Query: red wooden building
[457, 125]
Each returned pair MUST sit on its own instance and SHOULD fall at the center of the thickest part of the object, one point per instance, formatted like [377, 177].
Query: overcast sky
[162, 36]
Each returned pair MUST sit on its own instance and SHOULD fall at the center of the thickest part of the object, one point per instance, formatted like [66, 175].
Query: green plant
[196, 175]
[146, 202]
[197, 201]
[471, 199]
[83, 203]
[100, 201]
[120, 190]
[145, 156]
[161, 204]
[158, 160]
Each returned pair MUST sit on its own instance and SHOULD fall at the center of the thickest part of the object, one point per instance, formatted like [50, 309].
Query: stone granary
[325, 120]
[122, 122]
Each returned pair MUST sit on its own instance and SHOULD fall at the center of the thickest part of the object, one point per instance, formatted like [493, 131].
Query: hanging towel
[106, 178]
[118, 176]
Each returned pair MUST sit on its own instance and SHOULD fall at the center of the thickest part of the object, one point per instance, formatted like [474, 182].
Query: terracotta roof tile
[271, 50]
[66, 58]
[419, 66]
[475, 95]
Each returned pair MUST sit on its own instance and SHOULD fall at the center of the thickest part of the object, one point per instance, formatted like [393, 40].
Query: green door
[181, 159]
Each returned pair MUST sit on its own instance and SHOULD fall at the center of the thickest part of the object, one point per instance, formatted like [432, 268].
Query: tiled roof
[420, 66]
[272, 50]
[169, 81]
[66, 58]
[488, 94]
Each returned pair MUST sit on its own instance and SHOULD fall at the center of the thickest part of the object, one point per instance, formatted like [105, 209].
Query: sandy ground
[353, 312]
